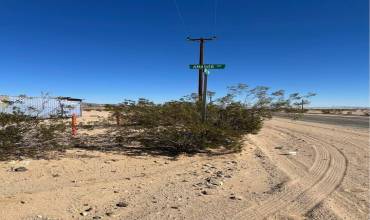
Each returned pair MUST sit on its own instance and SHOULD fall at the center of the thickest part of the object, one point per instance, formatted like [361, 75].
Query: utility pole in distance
[201, 71]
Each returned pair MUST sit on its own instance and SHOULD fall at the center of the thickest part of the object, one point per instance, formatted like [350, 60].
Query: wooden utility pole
[201, 40]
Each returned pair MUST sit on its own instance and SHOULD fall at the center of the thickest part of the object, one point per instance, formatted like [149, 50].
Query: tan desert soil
[327, 178]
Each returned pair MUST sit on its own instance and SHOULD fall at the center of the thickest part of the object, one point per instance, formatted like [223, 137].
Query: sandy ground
[290, 170]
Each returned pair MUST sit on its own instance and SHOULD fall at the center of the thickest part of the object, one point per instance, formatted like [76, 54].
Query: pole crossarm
[201, 39]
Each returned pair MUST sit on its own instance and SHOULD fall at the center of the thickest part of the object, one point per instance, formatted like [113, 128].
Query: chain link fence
[41, 107]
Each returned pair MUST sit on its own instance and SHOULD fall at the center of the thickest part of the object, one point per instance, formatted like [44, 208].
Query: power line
[215, 17]
[182, 20]
[181, 17]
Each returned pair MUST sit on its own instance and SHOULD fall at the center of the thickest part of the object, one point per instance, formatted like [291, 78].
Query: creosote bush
[174, 126]
[12, 129]
[177, 125]
[24, 135]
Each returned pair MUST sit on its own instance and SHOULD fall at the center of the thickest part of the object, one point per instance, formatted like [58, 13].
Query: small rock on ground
[122, 204]
[111, 214]
[83, 213]
[20, 169]
[234, 197]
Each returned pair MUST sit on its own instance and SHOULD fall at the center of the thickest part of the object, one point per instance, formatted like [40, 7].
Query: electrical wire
[215, 17]
[186, 31]
[182, 20]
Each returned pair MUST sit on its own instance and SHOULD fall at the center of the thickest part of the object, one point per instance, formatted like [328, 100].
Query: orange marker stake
[74, 124]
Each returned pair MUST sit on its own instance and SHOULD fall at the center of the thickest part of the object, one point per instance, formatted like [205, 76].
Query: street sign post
[204, 68]
[207, 66]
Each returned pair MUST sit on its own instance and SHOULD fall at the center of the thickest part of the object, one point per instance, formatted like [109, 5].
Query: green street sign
[207, 66]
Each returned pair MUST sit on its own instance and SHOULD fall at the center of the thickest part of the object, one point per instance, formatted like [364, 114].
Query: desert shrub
[88, 126]
[12, 128]
[48, 134]
[177, 125]
[337, 111]
[325, 111]
[115, 113]
[23, 135]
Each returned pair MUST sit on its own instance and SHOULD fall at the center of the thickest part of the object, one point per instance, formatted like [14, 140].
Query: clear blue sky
[105, 51]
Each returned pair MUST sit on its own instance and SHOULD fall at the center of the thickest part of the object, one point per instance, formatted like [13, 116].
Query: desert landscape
[184, 110]
[290, 170]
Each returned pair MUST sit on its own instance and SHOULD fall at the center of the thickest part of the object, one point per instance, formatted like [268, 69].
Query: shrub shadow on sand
[102, 143]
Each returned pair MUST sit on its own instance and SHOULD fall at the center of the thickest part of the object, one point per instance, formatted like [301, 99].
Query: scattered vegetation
[325, 111]
[22, 134]
[177, 125]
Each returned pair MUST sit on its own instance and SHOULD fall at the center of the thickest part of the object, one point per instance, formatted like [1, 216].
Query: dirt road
[290, 170]
[329, 174]
[341, 120]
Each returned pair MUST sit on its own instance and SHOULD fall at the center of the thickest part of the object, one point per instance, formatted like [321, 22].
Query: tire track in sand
[332, 179]
[302, 194]
[348, 207]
